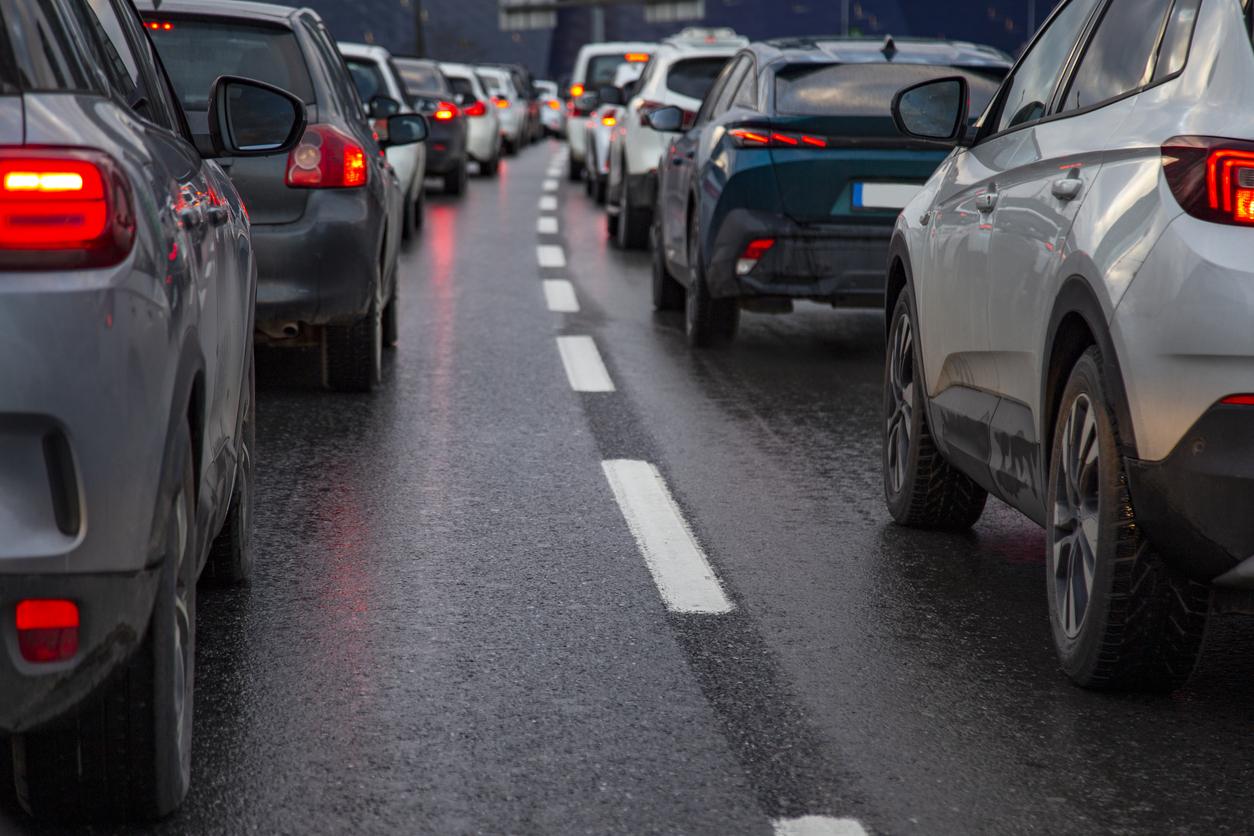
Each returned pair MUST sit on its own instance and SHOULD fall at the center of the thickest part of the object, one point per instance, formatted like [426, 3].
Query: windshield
[196, 52]
[694, 77]
[868, 89]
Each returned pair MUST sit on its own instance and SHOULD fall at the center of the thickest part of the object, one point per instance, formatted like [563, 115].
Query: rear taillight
[326, 158]
[477, 109]
[63, 208]
[445, 112]
[47, 630]
[609, 121]
[1212, 178]
[501, 103]
[1238, 400]
[752, 254]
[576, 90]
[763, 138]
[554, 104]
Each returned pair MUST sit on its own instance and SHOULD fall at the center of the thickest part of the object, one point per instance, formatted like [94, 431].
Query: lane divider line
[584, 368]
[548, 203]
[560, 296]
[550, 185]
[676, 560]
[551, 255]
[818, 826]
[546, 225]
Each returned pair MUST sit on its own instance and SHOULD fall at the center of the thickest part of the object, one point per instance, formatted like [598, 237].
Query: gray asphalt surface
[451, 629]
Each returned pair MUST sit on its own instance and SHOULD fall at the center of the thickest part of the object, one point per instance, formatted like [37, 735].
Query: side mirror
[610, 95]
[251, 119]
[381, 107]
[665, 119]
[406, 129]
[935, 110]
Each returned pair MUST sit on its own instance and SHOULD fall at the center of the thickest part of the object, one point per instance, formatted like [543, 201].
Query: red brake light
[576, 90]
[609, 121]
[1212, 178]
[784, 139]
[445, 111]
[160, 26]
[501, 102]
[554, 104]
[326, 159]
[745, 137]
[1239, 400]
[757, 138]
[62, 209]
[477, 108]
[637, 57]
[752, 254]
[47, 630]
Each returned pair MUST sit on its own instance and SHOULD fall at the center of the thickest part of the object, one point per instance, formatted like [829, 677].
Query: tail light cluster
[476, 108]
[47, 630]
[445, 112]
[753, 252]
[1212, 178]
[326, 158]
[609, 121]
[763, 138]
[501, 102]
[63, 209]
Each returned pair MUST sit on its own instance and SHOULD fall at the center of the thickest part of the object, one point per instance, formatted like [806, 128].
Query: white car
[483, 134]
[552, 108]
[374, 75]
[604, 122]
[681, 72]
[1069, 305]
[595, 67]
[511, 108]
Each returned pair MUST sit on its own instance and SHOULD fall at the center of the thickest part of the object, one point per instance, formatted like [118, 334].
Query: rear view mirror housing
[249, 118]
[666, 119]
[406, 129]
[933, 110]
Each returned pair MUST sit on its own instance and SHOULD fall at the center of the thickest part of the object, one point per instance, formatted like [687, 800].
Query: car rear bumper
[482, 139]
[841, 264]
[114, 611]
[446, 147]
[323, 268]
[1195, 505]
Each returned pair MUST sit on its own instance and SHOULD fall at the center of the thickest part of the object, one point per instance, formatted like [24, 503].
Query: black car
[432, 95]
[327, 218]
[789, 183]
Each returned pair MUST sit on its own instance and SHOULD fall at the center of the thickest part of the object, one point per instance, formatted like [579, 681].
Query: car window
[39, 49]
[716, 92]
[746, 95]
[868, 89]
[341, 82]
[1120, 54]
[601, 69]
[1176, 39]
[423, 79]
[1028, 96]
[693, 77]
[367, 77]
[462, 87]
[723, 103]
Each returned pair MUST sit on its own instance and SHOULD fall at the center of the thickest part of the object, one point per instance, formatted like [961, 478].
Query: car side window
[747, 93]
[341, 81]
[1120, 54]
[716, 92]
[724, 101]
[1032, 86]
[1177, 38]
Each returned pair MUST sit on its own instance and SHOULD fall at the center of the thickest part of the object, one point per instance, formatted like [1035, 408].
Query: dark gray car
[327, 220]
[127, 284]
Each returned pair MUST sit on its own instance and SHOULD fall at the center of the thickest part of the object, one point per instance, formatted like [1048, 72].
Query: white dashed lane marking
[679, 566]
[560, 296]
[548, 203]
[551, 255]
[550, 185]
[818, 826]
[584, 367]
[546, 225]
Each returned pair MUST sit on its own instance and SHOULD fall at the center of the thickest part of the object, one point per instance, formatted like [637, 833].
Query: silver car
[127, 286]
[1069, 306]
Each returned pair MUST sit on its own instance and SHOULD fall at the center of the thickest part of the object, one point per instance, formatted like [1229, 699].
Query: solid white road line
[551, 255]
[818, 826]
[548, 203]
[584, 368]
[546, 225]
[679, 567]
[560, 295]
[550, 185]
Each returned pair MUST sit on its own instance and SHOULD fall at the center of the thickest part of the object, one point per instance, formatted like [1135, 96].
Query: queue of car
[1057, 243]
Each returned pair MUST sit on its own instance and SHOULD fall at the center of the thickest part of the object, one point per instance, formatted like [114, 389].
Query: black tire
[353, 354]
[231, 555]
[611, 227]
[409, 221]
[707, 321]
[574, 169]
[633, 222]
[455, 180]
[598, 190]
[391, 321]
[490, 168]
[125, 754]
[1121, 617]
[508, 147]
[419, 211]
[922, 489]
[668, 294]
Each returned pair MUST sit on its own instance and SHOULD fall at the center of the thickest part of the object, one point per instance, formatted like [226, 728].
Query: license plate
[883, 195]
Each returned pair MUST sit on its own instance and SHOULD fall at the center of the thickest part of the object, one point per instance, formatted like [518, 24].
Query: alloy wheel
[1076, 516]
[901, 381]
[182, 646]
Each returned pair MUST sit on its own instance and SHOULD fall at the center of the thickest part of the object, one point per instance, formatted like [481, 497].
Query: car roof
[409, 59]
[455, 67]
[245, 9]
[363, 50]
[840, 50]
[610, 47]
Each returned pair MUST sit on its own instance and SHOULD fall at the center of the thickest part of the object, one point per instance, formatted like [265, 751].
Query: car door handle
[1068, 188]
[986, 202]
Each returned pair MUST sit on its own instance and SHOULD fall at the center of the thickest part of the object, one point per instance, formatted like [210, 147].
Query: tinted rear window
[867, 89]
[422, 78]
[367, 77]
[601, 69]
[694, 77]
[196, 52]
[462, 86]
[39, 49]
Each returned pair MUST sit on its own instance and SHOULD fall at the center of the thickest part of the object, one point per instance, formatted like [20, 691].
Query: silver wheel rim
[901, 406]
[1076, 516]
[182, 617]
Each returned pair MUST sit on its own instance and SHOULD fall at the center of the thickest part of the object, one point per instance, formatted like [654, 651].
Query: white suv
[595, 67]
[681, 72]
[1069, 302]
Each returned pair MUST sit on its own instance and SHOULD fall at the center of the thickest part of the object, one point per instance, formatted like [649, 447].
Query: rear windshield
[367, 77]
[38, 50]
[601, 69]
[694, 77]
[422, 78]
[462, 86]
[867, 89]
[196, 52]
[495, 86]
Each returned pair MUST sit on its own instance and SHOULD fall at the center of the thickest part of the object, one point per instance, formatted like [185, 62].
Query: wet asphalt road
[451, 629]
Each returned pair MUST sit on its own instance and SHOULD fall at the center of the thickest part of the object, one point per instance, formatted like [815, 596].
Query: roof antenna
[890, 48]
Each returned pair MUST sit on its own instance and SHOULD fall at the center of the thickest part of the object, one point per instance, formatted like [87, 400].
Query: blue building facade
[469, 30]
